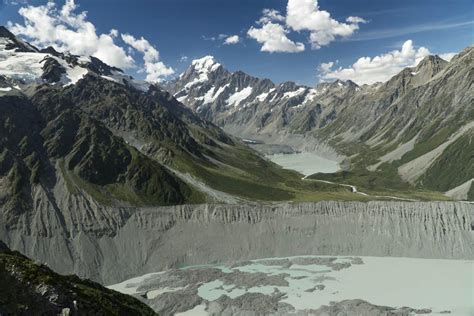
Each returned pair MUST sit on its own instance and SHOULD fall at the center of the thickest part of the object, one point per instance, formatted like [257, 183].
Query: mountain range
[75, 129]
[416, 128]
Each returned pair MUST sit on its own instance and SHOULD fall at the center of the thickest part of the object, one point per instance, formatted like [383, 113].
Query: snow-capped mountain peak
[23, 64]
[205, 64]
[238, 99]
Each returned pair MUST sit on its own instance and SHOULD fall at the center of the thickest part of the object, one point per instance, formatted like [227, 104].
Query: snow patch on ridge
[212, 96]
[293, 94]
[27, 67]
[312, 94]
[239, 96]
[208, 96]
[73, 75]
[262, 97]
[201, 79]
[182, 99]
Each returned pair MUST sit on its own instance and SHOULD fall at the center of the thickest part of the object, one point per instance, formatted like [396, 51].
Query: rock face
[113, 244]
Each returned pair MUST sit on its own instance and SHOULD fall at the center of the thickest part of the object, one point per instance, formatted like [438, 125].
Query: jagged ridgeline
[28, 288]
[74, 129]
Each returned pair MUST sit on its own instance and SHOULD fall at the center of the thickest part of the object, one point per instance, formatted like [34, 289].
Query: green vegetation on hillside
[470, 194]
[244, 173]
[379, 184]
[454, 167]
[384, 181]
[90, 157]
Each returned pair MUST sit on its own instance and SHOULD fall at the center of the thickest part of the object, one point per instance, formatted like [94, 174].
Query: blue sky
[185, 28]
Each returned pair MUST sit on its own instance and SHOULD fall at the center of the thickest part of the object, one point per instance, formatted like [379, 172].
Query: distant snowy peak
[23, 68]
[201, 71]
[212, 91]
[205, 65]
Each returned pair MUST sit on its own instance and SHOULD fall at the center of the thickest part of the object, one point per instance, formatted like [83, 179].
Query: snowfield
[239, 96]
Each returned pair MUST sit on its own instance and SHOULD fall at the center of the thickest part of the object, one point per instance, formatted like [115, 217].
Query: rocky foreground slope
[27, 288]
[113, 244]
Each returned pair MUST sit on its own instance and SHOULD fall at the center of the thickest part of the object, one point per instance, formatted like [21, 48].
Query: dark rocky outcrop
[52, 70]
[28, 288]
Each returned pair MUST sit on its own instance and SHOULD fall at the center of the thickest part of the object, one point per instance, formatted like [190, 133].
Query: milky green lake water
[305, 163]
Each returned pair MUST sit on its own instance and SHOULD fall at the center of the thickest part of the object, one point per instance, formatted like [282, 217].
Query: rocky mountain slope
[405, 128]
[28, 288]
[76, 131]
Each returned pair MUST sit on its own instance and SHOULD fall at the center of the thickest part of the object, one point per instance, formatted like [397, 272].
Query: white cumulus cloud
[232, 40]
[13, 2]
[305, 15]
[326, 67]
[356, 19]
[301, 16]
[154, 68]
[271, 15]
[274, 39]
[447, 56]
[66, 30]
[368, 70]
